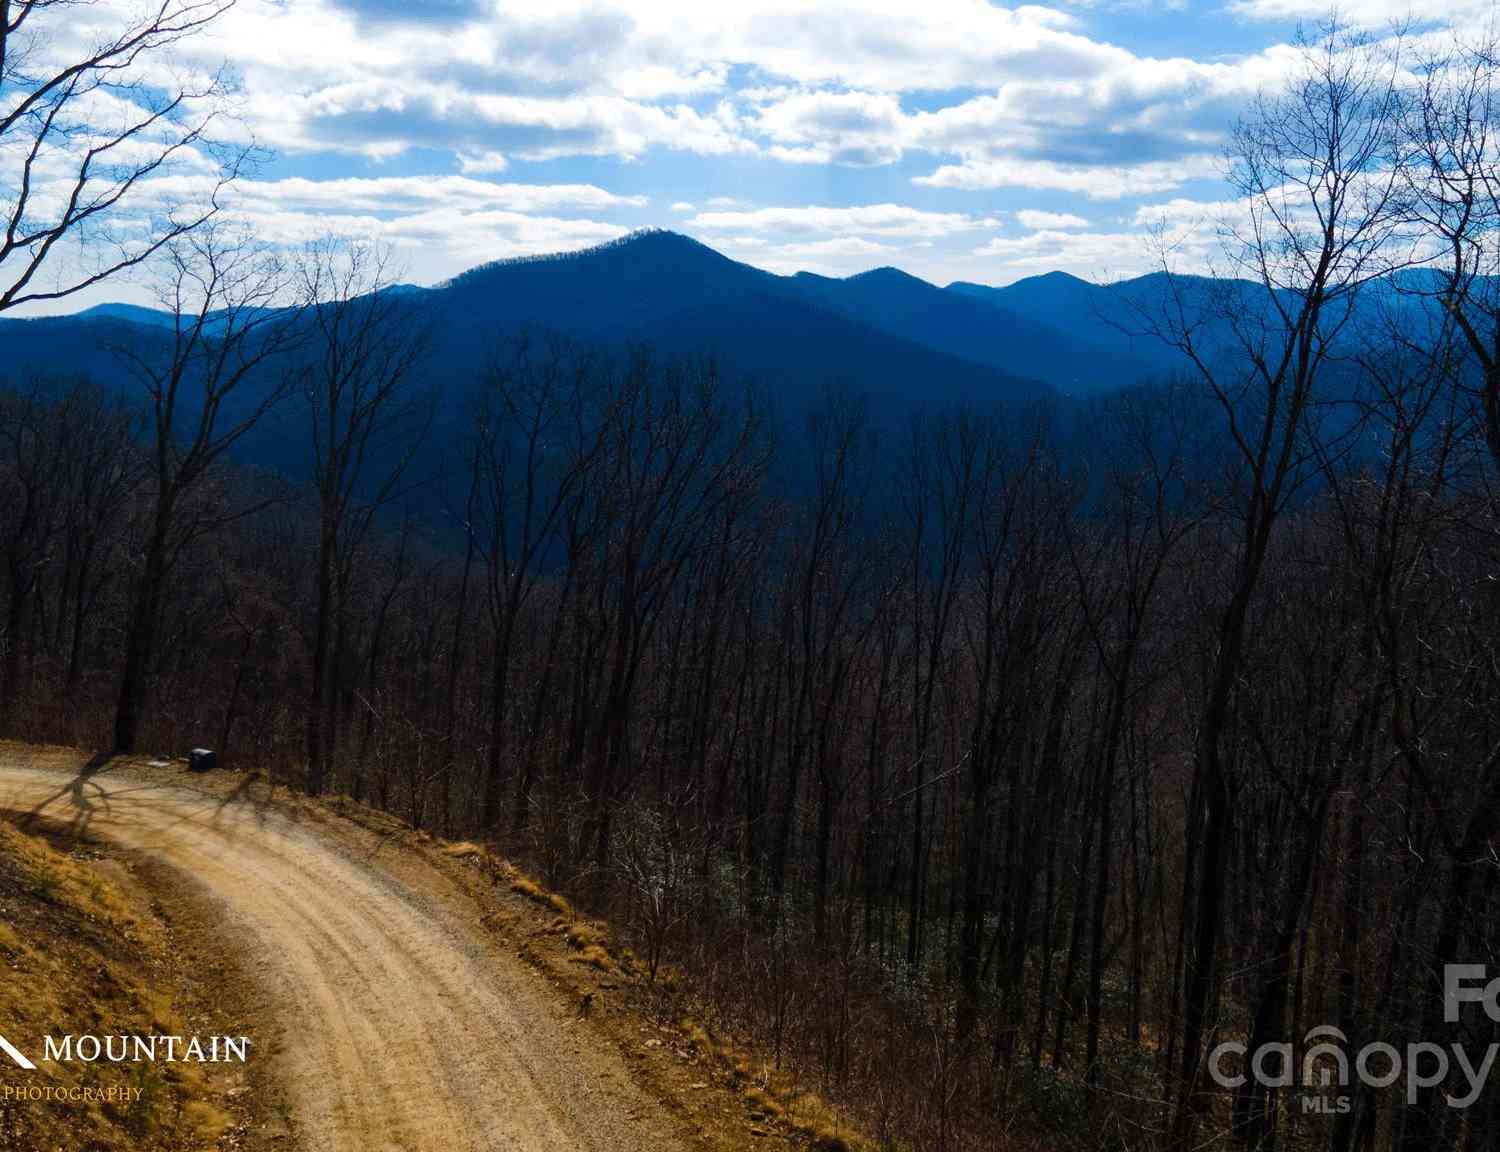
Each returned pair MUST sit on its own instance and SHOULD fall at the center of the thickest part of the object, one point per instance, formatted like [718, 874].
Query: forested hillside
[991, 774]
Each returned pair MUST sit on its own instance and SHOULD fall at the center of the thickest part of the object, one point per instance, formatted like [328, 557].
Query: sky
[956, 139]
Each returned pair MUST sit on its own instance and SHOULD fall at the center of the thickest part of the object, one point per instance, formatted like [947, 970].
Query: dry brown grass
[774, 1096]
[464, 850]
[528, 888]
[771, 1097]
[583, 934]
[84, 955]
[535, 891]
[595, 957]
[586, 960]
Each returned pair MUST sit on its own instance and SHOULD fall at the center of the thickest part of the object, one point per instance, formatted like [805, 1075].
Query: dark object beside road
[202, 760]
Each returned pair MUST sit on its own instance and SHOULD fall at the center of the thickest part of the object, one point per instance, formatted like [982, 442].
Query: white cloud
[1036, 221]
[864, 219]
[1120, 113]
[397, 193]
[836, 246]
[971, 95]
[461, 239]
[1372, 14]
[1181, 210]
[855, 128]
[444, 224]
[1093, 255]
[830, 83]
[1096, 182]
[1036, 101]
[484, 164]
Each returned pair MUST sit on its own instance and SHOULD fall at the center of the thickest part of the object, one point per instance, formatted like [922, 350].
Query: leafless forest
[989, 771]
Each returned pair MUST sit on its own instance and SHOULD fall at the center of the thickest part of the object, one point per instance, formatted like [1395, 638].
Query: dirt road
[397, 1023]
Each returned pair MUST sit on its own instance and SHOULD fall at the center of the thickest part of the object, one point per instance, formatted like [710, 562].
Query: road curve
[399, 1025]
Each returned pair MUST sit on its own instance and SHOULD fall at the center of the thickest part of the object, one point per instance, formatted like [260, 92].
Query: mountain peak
[650, 240]
[1052, 280]
[888, 275]
[644, 245]
[655, 235]
[1058, 276]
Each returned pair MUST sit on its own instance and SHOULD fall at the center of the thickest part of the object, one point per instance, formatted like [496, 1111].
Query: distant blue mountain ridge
[883, 332]
[904, 343]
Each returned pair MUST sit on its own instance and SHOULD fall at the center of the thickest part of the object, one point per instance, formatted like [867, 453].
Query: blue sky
[957, 139]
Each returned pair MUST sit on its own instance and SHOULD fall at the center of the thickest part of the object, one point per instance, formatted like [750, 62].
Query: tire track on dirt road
[398, 1026]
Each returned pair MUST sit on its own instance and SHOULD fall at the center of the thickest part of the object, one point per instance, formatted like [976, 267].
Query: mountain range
[896, 338]
[884, 331]
[903, 343]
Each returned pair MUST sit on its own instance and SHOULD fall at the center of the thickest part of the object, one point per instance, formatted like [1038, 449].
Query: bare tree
[1450, 170]
[369, 414]
[100, 465]
[207, 384]
[824, 627]
[939, 494]
[1119, 579]
[31, 435]
[537, 436]
[85, 127]
[1451, 167]
[1313, 164]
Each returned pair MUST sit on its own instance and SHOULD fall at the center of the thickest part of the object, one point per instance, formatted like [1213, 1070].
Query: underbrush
[843, 1046]
[843, 1050]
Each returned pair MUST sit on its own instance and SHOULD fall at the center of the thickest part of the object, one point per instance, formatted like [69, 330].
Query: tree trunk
[320, 686]
[141, 642]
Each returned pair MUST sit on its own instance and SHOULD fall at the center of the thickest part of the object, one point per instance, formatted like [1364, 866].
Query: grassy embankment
[83, 951]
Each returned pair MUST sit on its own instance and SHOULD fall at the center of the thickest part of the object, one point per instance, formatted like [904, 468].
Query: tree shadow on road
[79, 788]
